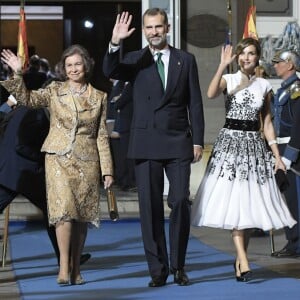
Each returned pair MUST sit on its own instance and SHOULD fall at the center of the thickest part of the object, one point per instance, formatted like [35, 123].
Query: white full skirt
[239, 189]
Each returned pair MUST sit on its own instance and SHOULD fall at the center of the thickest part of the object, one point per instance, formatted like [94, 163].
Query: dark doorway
[102, 15]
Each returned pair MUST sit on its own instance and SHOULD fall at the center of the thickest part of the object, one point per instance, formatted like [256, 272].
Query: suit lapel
[174, 71]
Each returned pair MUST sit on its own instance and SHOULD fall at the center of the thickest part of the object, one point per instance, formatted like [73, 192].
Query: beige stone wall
[208, 60]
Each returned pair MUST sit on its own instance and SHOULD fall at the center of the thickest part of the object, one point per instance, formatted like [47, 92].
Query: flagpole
[22, 37]
[253, 4]
[229, 16]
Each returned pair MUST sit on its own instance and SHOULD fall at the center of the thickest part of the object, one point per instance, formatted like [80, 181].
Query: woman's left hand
[279, 164]
[108, 181]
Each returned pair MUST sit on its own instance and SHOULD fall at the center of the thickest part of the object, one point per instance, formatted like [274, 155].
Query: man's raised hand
[121, 29]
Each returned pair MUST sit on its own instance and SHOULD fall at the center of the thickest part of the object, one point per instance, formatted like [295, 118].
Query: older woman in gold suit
[77, 151]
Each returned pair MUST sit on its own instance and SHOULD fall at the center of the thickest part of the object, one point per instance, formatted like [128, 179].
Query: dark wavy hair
[246, 42]
[88, 62]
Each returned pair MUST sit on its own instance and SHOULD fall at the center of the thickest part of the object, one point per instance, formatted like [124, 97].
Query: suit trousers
[150, 184]
[39, 200]
[126, 168]
[292, 195]
[6, 197]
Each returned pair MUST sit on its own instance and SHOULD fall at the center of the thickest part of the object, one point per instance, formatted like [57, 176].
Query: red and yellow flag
[22, 37]
[250, 25]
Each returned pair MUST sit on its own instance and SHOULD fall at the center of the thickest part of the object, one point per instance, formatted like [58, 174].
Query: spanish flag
[250, 25]
[22, 37]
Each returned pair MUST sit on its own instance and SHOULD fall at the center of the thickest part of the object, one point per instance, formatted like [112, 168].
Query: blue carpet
[118, 270]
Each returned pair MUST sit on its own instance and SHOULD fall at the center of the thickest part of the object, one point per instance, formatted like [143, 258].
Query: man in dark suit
[22, 163]
[166, 135]
[22, 134]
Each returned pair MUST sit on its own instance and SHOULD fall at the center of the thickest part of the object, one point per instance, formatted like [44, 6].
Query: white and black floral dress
[239, 190]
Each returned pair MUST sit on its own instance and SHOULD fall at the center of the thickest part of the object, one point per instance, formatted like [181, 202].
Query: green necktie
[160, 68]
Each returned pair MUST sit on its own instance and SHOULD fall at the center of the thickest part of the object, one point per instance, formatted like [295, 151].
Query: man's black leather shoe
[285, 253]
[181, 278]
[84, 258]
[157, 282]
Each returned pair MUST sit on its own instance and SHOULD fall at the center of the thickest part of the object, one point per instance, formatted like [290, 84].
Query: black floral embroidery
[244, 109]
[241, 154]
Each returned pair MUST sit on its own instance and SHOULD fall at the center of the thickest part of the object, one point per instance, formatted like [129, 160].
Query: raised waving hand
[12, 60]
[226, 55]
[121, 29]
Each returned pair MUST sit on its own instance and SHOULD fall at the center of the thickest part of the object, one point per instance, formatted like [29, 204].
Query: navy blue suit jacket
[124, 107]
[21, 162]
[166, 124]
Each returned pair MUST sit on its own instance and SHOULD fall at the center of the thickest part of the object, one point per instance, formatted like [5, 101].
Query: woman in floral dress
[239, 190]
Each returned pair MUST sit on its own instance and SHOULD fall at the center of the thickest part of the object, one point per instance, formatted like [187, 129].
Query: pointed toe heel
[62, 281]
[246, 276]
[78, 281]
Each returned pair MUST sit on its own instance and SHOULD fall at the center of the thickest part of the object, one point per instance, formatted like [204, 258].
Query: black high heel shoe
[238, 278]
[244, 277]
[62, 281]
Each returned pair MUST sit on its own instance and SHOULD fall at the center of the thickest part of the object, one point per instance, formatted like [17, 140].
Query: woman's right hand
[279, 164]
[226, 55]
[12, 60]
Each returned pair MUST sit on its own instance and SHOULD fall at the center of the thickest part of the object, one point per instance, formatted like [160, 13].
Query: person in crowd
[45, 68]
[5, 71]
[239, 191]
[7, 102]
[166, 135]
[22, 163]
[54, 77]
[112, 123]
[77, 151]
[286, 120]
[124, 107]
[33, 77]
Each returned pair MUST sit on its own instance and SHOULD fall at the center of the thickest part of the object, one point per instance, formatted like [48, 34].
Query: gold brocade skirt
[73, 189]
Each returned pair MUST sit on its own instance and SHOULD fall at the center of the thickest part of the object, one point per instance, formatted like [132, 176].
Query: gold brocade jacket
[90, 142]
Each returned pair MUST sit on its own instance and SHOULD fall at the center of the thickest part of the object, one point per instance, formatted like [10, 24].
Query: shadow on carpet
[118, 269]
